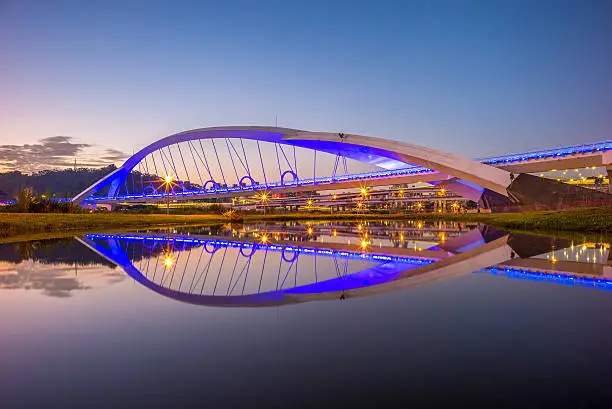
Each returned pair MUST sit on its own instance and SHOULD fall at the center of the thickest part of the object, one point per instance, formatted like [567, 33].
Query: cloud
[56, 152]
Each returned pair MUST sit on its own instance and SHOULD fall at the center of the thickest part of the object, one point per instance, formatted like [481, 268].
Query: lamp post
[264, 199]
[168, 180]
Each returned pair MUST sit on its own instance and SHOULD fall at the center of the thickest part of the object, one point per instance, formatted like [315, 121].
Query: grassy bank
[54, 225]
[591, 220]
[597, 220]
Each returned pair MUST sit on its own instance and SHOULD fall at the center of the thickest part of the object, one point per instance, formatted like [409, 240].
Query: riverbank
[52, 225]
[592, 220]
[45, 225]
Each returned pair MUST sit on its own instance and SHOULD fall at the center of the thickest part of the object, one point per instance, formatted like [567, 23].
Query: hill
[59, 183]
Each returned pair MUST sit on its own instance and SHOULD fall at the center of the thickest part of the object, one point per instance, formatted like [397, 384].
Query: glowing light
[363, 191]
[419, 225]
[168, 261]
[364, 244]
[334, 197]
[168, 179]
[310, 231]
[359, 227]
[334, 233]
[264, 197]
[309, 202]
[264, 238]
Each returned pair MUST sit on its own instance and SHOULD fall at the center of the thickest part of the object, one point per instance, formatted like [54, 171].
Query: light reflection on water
[142, 309]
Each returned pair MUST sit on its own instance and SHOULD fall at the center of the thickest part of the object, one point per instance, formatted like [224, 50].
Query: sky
[475, 78]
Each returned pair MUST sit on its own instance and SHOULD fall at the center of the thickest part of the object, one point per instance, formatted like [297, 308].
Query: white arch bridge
[226, 162]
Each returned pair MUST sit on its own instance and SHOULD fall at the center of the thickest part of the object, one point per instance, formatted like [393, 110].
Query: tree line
[51, 183]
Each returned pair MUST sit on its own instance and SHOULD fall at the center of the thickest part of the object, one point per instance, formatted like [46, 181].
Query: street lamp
[168, 181]
[263, 198]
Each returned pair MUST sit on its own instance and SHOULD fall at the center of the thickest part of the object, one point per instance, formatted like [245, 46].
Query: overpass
[228, 162]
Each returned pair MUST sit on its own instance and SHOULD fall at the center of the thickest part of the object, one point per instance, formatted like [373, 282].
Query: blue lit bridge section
[259, 269]
[228, 272]
[229, 162]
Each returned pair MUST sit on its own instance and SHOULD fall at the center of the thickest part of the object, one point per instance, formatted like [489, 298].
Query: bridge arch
[382, 153]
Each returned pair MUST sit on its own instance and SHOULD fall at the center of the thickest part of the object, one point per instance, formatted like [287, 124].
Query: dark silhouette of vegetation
[28, 202]
[55, 251]
[54, 183]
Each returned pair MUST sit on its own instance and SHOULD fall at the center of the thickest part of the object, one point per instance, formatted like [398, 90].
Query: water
[295, 315]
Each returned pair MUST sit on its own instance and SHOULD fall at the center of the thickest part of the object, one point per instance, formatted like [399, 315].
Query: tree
[25, 198]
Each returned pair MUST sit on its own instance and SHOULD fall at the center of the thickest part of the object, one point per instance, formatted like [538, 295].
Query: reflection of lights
[364, 244]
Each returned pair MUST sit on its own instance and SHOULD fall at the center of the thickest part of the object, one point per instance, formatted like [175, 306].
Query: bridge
[232, 162]
[226, 270]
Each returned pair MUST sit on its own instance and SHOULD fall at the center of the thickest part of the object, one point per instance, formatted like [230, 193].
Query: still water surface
[307, 315]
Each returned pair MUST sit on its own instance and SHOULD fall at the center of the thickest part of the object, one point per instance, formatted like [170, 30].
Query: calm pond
[294, 315]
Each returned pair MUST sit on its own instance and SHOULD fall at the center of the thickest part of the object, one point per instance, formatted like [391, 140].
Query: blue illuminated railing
[556, 278]
[302, 182]
[216, 243]
[408, 171]
[54, 200]
[549, 153]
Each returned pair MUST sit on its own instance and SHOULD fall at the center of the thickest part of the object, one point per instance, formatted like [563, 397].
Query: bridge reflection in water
[260, 269]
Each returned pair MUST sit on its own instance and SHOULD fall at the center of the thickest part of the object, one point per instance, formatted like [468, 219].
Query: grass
[17, 226]
[597, 220]
[54, 225]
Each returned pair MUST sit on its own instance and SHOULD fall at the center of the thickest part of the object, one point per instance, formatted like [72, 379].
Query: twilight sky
[472, 77]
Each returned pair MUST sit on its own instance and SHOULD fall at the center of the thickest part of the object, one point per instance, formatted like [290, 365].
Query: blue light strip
[549, 153]
[274, 185]
[556, 278]
[381, 258]
[53, 199]
[408, 171]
